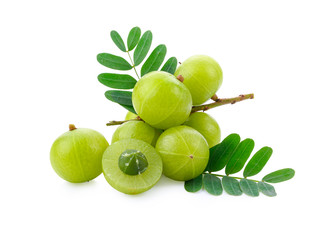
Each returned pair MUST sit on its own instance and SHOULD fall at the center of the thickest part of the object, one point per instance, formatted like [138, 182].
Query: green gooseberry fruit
[132, 166]
[76, 156]
[161, 100]
[202, 75]
[130, 116]
[137, 130]
[206, 125]
[184, 151]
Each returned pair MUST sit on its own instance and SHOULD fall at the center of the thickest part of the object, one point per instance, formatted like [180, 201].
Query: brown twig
[222, 101]
[218, 102]
[112, 123]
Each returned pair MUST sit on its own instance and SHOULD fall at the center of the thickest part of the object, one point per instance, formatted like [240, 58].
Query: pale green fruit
[130, 116]
[202, 76]
[184, 151]
[76, 156]
[206, 125]
[132, 166]
[161, 100]
[137, 130]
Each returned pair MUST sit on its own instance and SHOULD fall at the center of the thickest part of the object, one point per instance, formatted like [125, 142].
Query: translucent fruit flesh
[76, 156]
[184, 152]
[131, 184]
[137, 130]
[206, 125]
[161, 100]
[202, 76]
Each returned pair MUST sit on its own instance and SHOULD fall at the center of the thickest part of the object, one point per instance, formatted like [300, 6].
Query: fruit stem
[72, 127]
[219, 102]
[215, 98]
[222, 101]
[180, 78]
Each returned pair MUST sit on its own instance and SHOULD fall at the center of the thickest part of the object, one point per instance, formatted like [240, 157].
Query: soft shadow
[80, 185]
[163, 182]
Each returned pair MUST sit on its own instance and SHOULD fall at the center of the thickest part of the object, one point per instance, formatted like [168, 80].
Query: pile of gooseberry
[165, 137]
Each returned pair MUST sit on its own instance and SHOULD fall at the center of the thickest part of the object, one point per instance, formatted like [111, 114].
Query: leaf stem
[219, 102]
[220, 175]
[129, 55]
[222, 101]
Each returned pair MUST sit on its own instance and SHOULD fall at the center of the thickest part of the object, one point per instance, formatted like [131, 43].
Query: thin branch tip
[222, 101]
[218, 102]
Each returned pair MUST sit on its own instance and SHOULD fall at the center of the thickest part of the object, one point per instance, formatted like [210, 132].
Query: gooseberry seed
[132, 184]
[132, 162]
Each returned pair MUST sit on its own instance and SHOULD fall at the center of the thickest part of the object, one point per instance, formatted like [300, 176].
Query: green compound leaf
[170, 65]
[279, 175]
[118, 81]
[249, 187]
[121, 97]
[240, 156]
[133, 38]
[116, 38]
[155, 59]
[142, 48]
[220, 153]
[267, 189]
[231, 186]
[212, 184]
[194, 185]
[129, 108]
[113, 61]
[257, 162]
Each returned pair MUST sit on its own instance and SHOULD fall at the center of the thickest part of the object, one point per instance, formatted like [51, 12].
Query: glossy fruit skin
[131, 184]
[202, 76]
[184, 152]
[130, 116]
[137, 130]
[205, 125]
[161, 100]
[76, 156]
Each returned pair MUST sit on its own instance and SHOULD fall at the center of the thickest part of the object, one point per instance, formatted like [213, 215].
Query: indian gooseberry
[137, 130]
[202, 76]
[76, 156]
[132, 166]
[130, 116]
[205, 125]
[161, 100]
[184, 152]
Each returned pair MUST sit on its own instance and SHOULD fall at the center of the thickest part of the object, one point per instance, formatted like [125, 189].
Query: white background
[278, 50]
